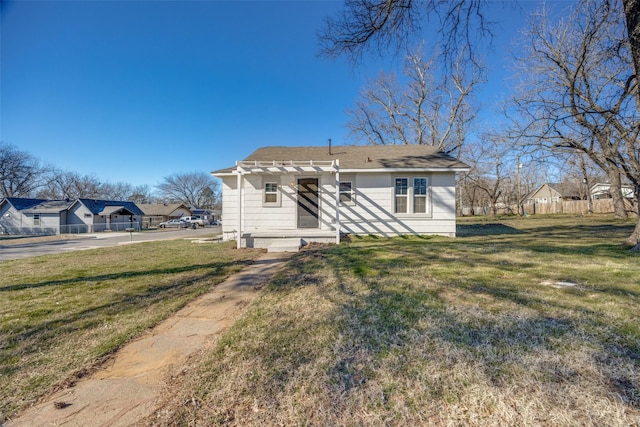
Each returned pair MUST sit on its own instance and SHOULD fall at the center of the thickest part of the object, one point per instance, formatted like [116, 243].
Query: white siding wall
[49, 220]
[76, 215]
[327, 202]
[9, 217]
[17, 222]
[371, 212]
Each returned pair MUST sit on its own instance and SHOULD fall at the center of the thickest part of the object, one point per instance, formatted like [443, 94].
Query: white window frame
[396, 195]
[350, 192]
[37, 220]
[411, 196]
[425, 195]
[265, 193]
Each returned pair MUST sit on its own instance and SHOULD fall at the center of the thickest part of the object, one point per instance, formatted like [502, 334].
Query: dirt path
[128, 388]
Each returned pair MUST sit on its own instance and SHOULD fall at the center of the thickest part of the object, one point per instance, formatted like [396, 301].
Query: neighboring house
[155, 213]
[39, 216]
[102, 215]
[546, 193]
[22, 216]
[603, 191]
[319, 193]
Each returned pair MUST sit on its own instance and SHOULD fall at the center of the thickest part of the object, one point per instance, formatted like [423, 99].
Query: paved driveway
[97, 240]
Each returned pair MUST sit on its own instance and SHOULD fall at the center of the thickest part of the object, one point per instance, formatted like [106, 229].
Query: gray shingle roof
[39, 205]
[98, 206]
[361, 157]
[160, 209]
[50, 206]
[23, 203]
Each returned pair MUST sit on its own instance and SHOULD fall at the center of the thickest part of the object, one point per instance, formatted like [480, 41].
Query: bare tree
[61, 185]
[116, 191]
[383, 25]
[582, 174]
[490, 172]
[632, 19]
[20, 172]
[141, 194]
[197, 189]
[377, 26]
[420, 111]
[581, 87]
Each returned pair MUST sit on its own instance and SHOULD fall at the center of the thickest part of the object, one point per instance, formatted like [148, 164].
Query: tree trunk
[632, 15]
[619, 209]
[634, 239]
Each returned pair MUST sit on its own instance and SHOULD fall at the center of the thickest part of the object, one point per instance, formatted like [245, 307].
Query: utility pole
[518, 181]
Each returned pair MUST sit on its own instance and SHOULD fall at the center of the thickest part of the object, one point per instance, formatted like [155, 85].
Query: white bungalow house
[317, 194]
[602, 190]
[41, 216]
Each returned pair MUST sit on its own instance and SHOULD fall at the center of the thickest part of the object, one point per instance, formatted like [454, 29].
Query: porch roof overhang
[111, 210]
[285, 167]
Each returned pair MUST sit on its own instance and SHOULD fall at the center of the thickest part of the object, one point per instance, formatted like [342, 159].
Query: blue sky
[134, 91]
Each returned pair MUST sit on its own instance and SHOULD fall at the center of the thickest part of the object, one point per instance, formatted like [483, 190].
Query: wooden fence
[578, 207]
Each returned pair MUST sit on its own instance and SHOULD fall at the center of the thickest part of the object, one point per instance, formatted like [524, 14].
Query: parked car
[195, 221]
[178, 223]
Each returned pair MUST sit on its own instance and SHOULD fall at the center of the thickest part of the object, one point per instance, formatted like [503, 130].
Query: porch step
[287, 244]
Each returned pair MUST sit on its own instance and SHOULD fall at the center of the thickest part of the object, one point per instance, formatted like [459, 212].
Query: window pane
[345, 186]
[345, 192]
[420, 186]
[420, 204]
[271, 192]
[401, 186]
[271, 187]
[401, 204]
[270, 198]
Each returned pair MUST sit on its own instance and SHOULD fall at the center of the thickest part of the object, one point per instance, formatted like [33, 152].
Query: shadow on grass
[472, 230]
[125, 274]
[31, 335]
[378, 316]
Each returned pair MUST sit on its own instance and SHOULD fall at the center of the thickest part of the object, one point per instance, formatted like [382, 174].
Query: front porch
[285, 193]
[286, 240]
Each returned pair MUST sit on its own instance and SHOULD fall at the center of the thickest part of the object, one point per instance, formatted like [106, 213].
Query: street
[96, 240]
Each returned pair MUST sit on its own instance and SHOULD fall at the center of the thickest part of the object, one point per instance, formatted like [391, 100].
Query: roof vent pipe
[329, 146]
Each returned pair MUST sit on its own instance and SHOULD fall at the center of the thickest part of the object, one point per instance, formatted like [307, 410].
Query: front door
[308, 203]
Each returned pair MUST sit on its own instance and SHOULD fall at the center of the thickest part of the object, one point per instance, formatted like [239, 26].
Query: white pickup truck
[194, 221]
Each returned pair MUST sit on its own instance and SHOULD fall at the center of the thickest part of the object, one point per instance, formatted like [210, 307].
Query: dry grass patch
[434, 331]
[62, 314]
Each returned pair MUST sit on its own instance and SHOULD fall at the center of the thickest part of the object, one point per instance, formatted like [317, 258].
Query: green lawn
[518, 321]
[60, 315]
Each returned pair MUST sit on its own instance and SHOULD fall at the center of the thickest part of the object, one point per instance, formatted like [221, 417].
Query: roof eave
[403, 170]
[360, 170]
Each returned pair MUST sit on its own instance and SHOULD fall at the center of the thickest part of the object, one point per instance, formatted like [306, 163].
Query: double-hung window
[420, 195]
[36, 219]
[346, 192]
[401, 189]
[270, 193]
[411, 195]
